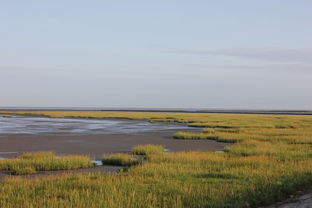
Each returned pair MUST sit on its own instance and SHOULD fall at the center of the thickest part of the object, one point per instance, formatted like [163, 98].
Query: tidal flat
[268, 158]
[92, 137]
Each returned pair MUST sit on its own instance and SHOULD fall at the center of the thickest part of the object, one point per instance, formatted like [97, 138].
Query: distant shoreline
[201, 111]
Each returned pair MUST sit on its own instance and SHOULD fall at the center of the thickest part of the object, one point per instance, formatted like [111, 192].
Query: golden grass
[30, 163]
[7, 116]
[192, 136]
[271, 158]
[38, 156]
[147, 149]
[121, 159]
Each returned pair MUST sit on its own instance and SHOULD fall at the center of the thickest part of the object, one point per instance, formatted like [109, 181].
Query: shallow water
[97, 162]
[5, 153]
[39, 125]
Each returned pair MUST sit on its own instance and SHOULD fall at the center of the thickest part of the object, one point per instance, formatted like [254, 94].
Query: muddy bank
[92, 137]
[298, 200]
[96, 145]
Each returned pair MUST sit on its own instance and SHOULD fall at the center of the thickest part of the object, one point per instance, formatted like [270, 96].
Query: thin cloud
[265, 54]
[277, 67]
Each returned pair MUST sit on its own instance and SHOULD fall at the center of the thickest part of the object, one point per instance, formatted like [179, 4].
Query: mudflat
[96, 145]
[92, 137]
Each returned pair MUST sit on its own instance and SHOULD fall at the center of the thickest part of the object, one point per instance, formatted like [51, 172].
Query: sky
[242, 54]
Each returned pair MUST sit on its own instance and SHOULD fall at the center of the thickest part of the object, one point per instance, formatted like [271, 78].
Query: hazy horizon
[163, 54]
[213, 110]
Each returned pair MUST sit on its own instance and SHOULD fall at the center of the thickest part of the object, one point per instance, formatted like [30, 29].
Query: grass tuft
[7, 116]
[30, 163]
[148, 149]
[192, 136]
[38, 156]
[23, 170]
[121, 159]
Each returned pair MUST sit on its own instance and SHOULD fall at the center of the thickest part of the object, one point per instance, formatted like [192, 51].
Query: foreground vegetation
[7, 116]
[30, 163]
[148, 149]
[139, 153]
[271, 158]
[121, 159]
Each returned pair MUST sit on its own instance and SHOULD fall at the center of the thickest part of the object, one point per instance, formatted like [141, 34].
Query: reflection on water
[37, 125]
[97, 162]
[5, 153]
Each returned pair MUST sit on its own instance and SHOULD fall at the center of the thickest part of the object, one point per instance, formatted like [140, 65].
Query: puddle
[3, 153]
[166, 150]
[97, 162]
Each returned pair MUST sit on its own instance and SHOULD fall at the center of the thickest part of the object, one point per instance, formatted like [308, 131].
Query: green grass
[271, 157]
[23, 170]
[38, 156]
[192, 136]
[7, 116]
[30, 163]
[167, 180]
[148, 149]
[121, 159]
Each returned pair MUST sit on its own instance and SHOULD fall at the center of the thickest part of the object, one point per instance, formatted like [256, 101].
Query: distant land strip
[218, 111]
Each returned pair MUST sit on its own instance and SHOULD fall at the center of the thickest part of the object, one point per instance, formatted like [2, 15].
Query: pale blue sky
[214, 54]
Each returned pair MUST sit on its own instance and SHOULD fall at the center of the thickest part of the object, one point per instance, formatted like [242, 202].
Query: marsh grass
[211, 125]
[38, 156]
[193, 136]
[271, 158]
[7, 116]
[30, 163]
[121, 159]
[147, 149]
[191, 179]
[23, 170]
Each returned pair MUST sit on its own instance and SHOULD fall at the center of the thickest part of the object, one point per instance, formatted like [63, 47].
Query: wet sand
[97, 145]
[93, 137]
